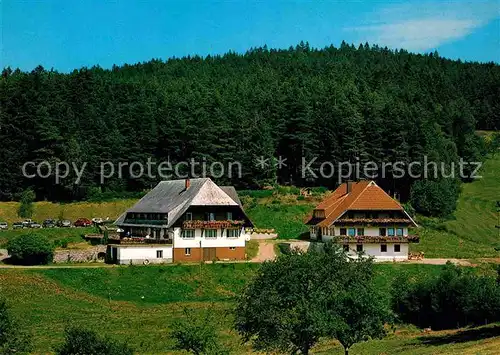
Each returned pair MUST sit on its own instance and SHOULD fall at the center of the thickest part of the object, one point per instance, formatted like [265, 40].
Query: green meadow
[471, 233]
[140, 304]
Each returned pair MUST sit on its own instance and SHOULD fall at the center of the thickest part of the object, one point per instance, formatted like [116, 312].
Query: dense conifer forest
[363, 103]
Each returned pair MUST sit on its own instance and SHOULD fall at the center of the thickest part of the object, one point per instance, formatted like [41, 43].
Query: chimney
[349, 186]
[188, 183]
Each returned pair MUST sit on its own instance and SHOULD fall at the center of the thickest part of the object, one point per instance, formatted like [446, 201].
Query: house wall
[373, 249]
[138, 254]
[328, 233]
[221, 253]
[180, 255]
[203, 242]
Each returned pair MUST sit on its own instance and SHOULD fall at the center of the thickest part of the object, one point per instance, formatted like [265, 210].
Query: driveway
[3, 254]
[266, 252]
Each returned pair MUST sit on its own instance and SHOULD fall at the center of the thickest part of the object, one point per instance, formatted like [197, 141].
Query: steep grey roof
[168, 195]
[231, 192]
[171, 197]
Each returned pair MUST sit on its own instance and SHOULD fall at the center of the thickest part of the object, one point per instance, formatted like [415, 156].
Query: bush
[319, 190]
[82, 341]
[30, 249]
[455, 298]
[256, 193]
[435, 198]
[287, 190]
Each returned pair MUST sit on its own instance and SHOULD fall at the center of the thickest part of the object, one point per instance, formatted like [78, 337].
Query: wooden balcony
[142, 241]
[198, 224]
[375, 221]
[154, 222]
[375, 239]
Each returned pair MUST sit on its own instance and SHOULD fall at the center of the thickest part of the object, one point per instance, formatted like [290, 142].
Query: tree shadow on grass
[462, 336]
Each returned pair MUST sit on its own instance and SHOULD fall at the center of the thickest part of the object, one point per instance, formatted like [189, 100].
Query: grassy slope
[286, 219]
[110, 301]
[72, 211]
[472, 233]
[71, 235]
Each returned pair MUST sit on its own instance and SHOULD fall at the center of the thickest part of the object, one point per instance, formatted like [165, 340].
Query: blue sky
[70, 34]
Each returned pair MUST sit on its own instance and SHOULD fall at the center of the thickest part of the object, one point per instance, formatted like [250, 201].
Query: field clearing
[72, 211]
[472, 232]
[111, 302]
[69, 235]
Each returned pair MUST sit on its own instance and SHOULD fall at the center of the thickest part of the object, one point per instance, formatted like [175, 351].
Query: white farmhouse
[363, 218]
[182, 221]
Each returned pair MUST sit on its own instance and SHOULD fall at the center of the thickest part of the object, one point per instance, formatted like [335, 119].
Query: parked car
[49, 223]
[34, 224]
[97, 220]
[83, 222]
[27, 223]
[18, 225]
[4, 225]
[64, 223]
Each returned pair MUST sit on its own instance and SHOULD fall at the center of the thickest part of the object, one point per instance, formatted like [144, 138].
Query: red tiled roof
[364, 195]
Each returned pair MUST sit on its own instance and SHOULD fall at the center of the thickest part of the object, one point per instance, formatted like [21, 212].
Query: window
[397, 248]
[232, 248]
[210, 233]
[351, 232]
[343, 231]
[211, 216]
[159, 254]
[383, 248]
[361, 231]
[345, 247]
[390, 232]
[233, 233]
[188, 233]
[382, 232]
[359, 247]
[189, 216]
[187, 251]
[399, 232]
[229, 216]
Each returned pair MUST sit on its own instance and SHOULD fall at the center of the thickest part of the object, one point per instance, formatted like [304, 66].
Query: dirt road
[266, 252]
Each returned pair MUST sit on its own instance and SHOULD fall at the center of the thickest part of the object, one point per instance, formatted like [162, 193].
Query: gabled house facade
[361, 216]
[182, 221]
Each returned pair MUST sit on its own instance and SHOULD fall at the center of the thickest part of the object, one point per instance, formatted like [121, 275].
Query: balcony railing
[376, 239]
[156, 222]
[198, 224]
[373, 220]
[134, 241]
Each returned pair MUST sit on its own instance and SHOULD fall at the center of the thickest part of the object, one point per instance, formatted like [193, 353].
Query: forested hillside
[336, 104]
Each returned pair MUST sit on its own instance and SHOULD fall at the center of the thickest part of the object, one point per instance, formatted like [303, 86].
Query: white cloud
[426, 25]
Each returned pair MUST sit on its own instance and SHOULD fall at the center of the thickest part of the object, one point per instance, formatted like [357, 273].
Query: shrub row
[455, 298]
